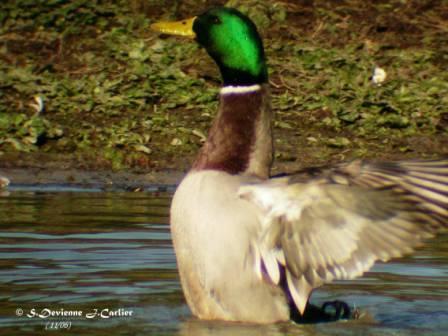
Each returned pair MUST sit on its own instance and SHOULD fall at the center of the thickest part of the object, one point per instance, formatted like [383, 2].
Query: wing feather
[336, 225]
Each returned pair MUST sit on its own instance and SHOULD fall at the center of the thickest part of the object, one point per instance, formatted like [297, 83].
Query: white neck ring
[239, 89]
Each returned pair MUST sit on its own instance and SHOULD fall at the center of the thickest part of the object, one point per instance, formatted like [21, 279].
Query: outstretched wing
[336, 225]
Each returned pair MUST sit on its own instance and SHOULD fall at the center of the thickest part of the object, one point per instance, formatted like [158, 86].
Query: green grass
[116, 95]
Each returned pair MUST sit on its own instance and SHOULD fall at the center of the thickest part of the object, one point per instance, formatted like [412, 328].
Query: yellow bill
[180, 28]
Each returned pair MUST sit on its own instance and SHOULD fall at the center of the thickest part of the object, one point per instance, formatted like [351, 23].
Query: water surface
[107, 258]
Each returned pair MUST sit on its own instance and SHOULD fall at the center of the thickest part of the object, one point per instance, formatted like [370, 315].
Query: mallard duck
[252, 248]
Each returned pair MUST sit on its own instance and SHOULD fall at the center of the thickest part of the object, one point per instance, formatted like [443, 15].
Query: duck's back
[212, 232]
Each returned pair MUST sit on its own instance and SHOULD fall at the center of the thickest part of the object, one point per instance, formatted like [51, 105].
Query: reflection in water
[105, 254]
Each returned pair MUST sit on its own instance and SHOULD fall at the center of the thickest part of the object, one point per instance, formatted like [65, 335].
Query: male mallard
[252, 249]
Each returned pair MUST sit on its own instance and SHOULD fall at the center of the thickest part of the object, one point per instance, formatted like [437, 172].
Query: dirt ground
[124, 105]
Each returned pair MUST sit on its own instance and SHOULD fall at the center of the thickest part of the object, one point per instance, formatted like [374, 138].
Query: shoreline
[85, 179]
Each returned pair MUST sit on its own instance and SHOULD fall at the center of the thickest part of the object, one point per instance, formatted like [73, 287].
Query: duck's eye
[216, 20]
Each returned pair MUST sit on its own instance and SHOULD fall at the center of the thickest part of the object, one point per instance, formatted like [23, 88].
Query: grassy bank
[85, 84]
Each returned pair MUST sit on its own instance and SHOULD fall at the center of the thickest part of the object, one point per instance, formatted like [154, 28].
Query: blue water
[108, 257]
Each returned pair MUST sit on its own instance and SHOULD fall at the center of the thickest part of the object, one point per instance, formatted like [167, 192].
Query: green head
[232, 40]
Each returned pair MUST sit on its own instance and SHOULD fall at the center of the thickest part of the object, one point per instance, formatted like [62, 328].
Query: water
[107, 258]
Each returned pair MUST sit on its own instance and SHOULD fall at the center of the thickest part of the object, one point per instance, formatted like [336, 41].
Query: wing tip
[300, 291]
